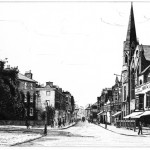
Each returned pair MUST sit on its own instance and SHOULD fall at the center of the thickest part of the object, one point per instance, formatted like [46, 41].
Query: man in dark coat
[140, 128]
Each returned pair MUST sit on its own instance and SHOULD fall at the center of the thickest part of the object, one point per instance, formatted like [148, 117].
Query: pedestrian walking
[59, 123]
[140, 128]
[27, 124]
[63, 122]
[52, 123]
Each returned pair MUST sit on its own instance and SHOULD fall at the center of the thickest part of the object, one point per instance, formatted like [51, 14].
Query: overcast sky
[76, 45]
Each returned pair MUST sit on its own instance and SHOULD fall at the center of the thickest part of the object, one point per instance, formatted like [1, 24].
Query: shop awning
[100, 113]
[133, 115]
[116, 114]
[145, 113]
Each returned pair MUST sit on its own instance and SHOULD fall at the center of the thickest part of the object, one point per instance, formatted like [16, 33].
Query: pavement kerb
[68, 126]
[29, 140]
[120, 133]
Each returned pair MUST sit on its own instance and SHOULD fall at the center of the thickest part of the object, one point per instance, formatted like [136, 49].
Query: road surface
[89, 135]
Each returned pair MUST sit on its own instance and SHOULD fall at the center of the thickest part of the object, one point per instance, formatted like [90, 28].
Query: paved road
[87, 134]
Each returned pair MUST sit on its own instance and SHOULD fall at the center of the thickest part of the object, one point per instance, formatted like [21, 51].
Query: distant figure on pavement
[27, 124]
[140, 128]
[52, 123]
[63, 122]
[59, 123]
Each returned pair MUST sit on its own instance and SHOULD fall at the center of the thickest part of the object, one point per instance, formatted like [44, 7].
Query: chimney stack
[49, 83]
[28, 74]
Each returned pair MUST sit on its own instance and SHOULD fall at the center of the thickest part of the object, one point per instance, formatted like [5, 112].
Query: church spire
[131, 38]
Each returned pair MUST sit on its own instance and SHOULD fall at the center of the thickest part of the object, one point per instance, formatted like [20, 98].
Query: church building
[135, 76]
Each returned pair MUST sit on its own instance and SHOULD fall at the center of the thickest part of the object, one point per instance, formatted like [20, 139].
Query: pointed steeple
[131, 32]
[131, 38]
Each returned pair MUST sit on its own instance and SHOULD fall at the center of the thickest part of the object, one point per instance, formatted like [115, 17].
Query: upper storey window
[140, 82]
[47, 93]
[148, 77]
[25, 85]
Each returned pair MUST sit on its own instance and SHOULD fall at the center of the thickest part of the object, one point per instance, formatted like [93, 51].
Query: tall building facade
[128, 51]
[27, 89]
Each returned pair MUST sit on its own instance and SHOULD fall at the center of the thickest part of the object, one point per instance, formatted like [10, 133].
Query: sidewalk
[11, 135]
[24, 128]
[126, 132]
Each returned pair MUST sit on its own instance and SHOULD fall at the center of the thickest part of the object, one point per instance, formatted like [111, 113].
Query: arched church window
[126, 58]
[137, 53]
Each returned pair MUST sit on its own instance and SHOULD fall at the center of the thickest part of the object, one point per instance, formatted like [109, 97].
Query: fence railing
[130, 124]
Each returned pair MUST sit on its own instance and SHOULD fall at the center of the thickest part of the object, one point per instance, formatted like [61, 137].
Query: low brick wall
[20, 123]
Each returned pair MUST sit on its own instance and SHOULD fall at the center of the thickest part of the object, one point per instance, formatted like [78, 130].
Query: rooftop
[24, 78]
[146, 49]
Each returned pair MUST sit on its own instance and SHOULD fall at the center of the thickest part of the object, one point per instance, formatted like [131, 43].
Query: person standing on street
[140, 128]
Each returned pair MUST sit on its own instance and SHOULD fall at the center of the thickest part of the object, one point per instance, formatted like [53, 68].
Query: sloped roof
[88, 107]
[95, 104]
[146, 49]
[145, 69]
[23, 77]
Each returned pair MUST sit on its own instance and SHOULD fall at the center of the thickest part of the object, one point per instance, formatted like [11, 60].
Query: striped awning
[116, 114]
[133, 115]
[145, 113]
[100, 113]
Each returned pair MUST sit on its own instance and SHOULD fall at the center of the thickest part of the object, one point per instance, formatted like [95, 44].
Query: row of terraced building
[37, 98]
[128, 100]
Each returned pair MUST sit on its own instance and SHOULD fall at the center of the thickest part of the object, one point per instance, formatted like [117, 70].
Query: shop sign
[132, 104]
[142, 88]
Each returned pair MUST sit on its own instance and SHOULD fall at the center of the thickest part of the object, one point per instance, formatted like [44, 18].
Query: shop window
[141, 101]
[148, 100]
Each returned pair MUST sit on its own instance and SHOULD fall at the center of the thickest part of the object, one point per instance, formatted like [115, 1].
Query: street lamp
[45, 126]
[76, 112]
[105, 109]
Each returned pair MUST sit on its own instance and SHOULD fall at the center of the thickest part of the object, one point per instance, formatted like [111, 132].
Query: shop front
[142, 103]
[116, 117]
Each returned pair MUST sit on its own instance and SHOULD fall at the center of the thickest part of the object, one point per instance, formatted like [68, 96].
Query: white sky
[76, 45]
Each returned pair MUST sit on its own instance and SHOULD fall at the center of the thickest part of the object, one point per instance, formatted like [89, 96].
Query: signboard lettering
[142, 88]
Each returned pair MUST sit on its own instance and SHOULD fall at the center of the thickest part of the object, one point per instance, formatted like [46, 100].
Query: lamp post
[45, 126]
[106, 117]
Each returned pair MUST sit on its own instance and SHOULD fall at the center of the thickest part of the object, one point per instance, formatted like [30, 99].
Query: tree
[50, 114]
[11, 106]
[72, 104]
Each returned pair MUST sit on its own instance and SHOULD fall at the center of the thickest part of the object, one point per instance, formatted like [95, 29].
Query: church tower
[128, 51]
